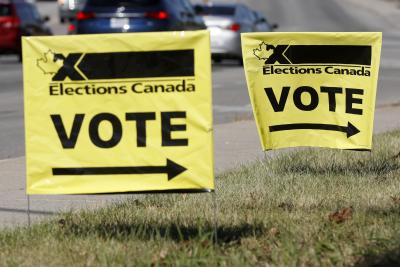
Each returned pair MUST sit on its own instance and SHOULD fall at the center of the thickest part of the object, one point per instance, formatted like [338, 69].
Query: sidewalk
[235, 143]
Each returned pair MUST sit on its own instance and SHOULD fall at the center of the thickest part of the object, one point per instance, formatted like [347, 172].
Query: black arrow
[350, 129]
[172, 169]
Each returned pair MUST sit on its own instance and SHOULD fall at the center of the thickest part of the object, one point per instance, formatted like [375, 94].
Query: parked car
[226, 22]
[67, 9]
[19, 18]
[111, 16]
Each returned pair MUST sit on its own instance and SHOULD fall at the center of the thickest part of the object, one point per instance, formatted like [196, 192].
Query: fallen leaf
[205, 243]
[341, 215]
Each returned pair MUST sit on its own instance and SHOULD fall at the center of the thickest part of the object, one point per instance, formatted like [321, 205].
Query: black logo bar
[315, 54]
[172, 169]
[350, 129]
[125, 65]
[333, 54]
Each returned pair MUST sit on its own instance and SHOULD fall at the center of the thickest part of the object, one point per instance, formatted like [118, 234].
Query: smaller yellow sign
[313, 89]
[118, 113]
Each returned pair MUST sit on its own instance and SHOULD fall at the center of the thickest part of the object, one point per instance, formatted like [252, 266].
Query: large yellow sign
[118, 113]
[313, 89]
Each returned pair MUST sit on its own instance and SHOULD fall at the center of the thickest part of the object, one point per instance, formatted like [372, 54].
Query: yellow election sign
[313, 89]
[118, 113]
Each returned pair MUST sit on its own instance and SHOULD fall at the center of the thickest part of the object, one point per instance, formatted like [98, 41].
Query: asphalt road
[231, 100]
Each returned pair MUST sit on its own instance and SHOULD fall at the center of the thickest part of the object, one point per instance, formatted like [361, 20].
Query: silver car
[225, 23]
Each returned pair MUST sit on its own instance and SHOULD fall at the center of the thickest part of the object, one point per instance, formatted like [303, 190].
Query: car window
[245, 14]
[261, 17]
[250, 15]
[5, 10]
[174, 4]
[241, 13]
[188, 6]
[128, 3]
[215, 10]
[27, 12]
[173, 7]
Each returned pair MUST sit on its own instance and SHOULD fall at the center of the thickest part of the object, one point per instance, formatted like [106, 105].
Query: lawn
[308, 207]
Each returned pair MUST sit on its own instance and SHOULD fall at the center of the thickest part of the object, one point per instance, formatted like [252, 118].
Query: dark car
[19, 18]
[111, 16]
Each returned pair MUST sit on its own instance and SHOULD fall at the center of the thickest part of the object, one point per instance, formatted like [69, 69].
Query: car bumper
[89, 27]
[10, 42]
[67, 14]
[225, 42]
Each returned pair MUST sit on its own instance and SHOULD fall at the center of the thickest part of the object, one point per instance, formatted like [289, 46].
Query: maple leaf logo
[264, 51]
[49, 63]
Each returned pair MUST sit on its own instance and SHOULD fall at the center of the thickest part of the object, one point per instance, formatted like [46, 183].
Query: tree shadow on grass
[355, 168]
[390, 211]
[383, 252]
[170, 231]
[389, 259]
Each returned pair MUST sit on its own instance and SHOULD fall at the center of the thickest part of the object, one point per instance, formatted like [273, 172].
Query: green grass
[272, 213]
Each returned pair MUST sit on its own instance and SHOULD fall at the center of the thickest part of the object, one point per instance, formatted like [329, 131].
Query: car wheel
[240, 61]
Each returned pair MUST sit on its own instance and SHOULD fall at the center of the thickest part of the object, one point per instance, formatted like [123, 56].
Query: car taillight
[234, 27]
[160, 15]
[82, 15]
[71, 28]
[10, 22]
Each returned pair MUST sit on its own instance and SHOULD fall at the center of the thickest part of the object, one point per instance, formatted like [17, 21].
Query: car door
[262, 24]
[174, 9]
[8, 27]
[31, 21]
[252, 19]
[243, 18]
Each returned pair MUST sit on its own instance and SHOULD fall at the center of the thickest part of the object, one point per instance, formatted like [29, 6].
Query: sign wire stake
[28, 211]
[215, 204]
